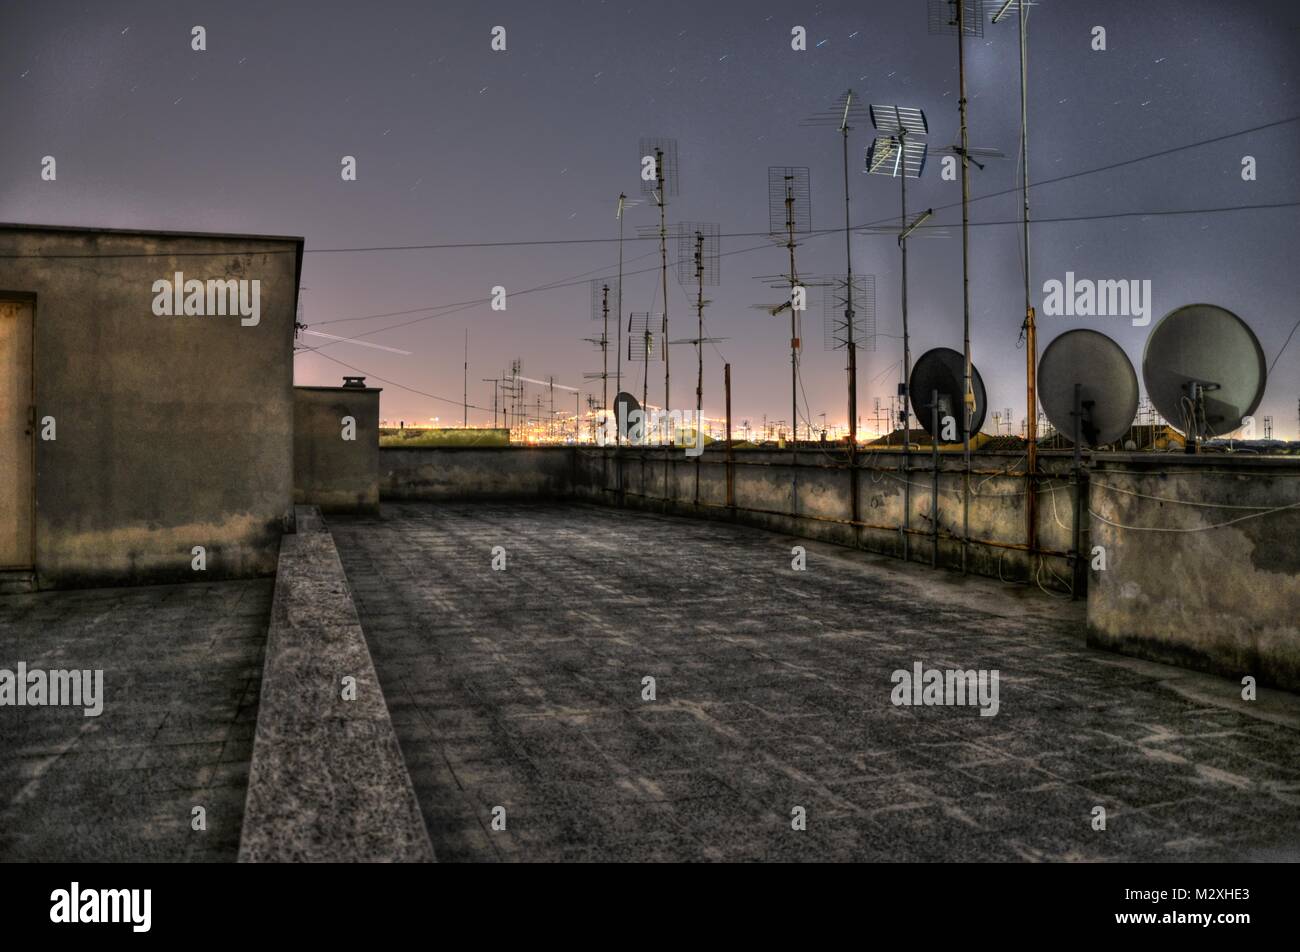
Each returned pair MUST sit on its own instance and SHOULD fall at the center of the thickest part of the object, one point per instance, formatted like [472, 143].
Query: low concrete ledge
[327, 781]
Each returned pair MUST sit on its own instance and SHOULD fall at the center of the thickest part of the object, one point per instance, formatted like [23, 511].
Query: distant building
[146, 404]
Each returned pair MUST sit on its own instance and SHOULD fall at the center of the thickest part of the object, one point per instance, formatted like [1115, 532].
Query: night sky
[456, 143]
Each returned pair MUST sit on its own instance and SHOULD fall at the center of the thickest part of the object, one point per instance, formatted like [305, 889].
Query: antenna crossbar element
[899, 120]
[598, 296]
[838, 300]
[641, 337]
[972, 155]
[894, 156]
[708, 261]
[664, 152]
[1007, 7]
[846, 112]
[942, 18]
[789, 200]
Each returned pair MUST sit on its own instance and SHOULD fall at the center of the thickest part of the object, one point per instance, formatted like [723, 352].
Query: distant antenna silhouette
[600, 298]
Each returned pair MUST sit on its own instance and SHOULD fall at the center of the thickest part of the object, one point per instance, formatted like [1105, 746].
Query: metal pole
[1076, 555]
[465, 382]
[604, 350]
[852, 346]
[967, 395]
[1031, 335]
[794, 318]
[731, 459]
[907, 366]
[663, 266]
[699, 353]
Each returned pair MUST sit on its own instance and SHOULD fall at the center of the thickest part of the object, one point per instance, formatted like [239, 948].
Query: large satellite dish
[944, 370]
[624, 404]
[1107, 386]
[1204, 370]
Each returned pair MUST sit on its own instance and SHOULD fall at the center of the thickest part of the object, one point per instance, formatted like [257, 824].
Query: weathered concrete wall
[171, 432]
[809, 499]
[1200, 571]
[812, 497]
[475, 473]
[329, 472]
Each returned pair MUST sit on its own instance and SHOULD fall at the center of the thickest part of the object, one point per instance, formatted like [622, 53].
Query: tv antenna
[855, 295]
[624, 203]
[660, 186]
[641, 347]
[789, 213]
[698, 247]
[845, 113]
[899, 151]
[1204, 371]
[601, 295]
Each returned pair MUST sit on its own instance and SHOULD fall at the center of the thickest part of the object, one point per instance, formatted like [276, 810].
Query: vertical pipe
[618, 356]
[967, 394]
[934, 478]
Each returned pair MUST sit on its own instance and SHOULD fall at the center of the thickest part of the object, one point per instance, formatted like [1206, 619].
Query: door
[16, 434]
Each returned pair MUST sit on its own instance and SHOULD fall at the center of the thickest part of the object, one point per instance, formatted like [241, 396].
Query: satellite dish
[944, 370]
[1204, 370]
[624, 404]
[1108, 387]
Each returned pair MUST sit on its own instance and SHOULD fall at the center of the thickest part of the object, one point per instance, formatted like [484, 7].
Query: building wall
[467, 473]
[171, 432]
[335, 474]
[1181, 587]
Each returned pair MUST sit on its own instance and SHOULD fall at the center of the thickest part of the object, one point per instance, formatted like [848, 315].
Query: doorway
[17, 434]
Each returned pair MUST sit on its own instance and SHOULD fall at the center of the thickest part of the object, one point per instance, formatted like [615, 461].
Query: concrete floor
[182, 673]
[523, 689]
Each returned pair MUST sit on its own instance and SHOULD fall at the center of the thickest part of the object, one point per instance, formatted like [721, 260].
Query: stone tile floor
[523, 689]
[182, 672]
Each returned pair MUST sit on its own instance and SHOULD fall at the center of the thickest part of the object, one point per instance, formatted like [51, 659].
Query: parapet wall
[1202, 563]
[809, 495]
